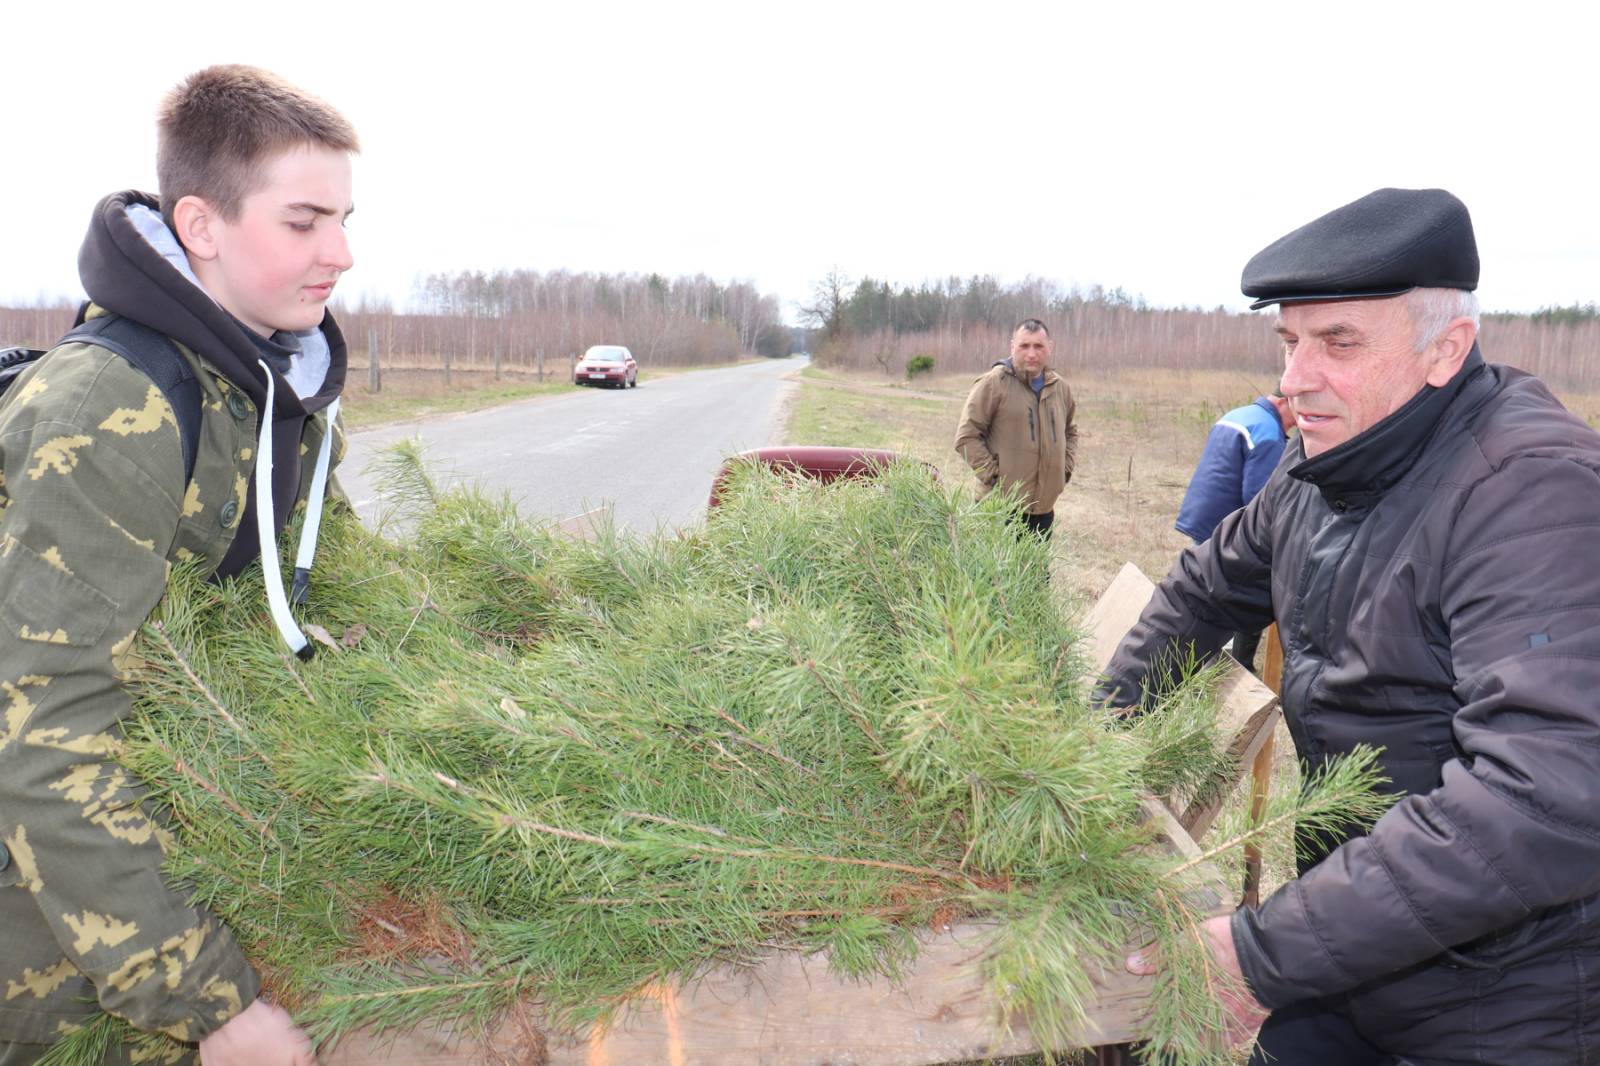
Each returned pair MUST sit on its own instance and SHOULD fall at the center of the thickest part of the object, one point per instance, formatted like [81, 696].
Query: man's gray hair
[1434, 309]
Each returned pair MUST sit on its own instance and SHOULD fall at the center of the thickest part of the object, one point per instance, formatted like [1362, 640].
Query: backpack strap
[14, 361]
[154, 355]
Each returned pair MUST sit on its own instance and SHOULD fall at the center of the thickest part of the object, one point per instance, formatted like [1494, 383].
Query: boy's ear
[194, 220]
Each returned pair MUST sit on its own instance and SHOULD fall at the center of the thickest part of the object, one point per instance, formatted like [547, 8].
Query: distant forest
[964, 324]
[508, 318]
[679, 321]
[505, 319]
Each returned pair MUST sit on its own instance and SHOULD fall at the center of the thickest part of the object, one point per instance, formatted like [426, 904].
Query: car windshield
[603, 355]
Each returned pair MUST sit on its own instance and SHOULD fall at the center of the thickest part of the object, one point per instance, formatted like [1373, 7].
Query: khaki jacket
[1012, 437]
[94, 511]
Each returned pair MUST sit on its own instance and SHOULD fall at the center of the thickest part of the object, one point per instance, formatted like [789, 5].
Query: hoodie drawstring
[313, 527]
[271, 573]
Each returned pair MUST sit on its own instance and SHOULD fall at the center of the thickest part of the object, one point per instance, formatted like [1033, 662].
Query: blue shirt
[1240, 454]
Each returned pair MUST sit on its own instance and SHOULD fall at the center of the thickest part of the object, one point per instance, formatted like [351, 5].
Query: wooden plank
[1261, 773]
[1248, 715]
[1115, 612]
[1249, 710]
[790, 1010]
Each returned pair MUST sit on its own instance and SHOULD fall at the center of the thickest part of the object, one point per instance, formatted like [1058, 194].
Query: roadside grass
[1139, 433]
[396, 403]
[412, 394]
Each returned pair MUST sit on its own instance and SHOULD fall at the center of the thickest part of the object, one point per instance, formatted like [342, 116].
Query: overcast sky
[1155, 147]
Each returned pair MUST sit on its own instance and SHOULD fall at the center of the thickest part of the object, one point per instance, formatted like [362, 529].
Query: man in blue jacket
[1243, 449]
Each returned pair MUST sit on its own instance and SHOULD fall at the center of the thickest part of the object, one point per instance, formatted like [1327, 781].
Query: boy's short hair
[215, 129]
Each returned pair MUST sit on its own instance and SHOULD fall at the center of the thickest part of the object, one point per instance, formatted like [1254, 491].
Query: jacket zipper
[1031, 436]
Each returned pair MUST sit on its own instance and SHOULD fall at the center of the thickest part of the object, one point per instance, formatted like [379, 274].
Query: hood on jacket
[1010, 368]
[132, 265]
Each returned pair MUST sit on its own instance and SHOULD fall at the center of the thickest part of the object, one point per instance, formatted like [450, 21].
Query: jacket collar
[1050, 376]
[1358, 472]
[124, 271]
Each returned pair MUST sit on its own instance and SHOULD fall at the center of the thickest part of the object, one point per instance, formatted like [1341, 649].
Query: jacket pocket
[45, 605]
[1553, 931]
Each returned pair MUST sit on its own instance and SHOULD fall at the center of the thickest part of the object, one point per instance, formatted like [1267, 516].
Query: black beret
[1386, 243]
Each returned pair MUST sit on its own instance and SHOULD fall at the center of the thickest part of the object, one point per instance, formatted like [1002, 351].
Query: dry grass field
[1140, 432]
[415, 393]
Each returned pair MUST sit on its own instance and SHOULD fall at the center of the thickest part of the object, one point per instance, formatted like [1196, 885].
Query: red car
[607, 364]
[820, 462]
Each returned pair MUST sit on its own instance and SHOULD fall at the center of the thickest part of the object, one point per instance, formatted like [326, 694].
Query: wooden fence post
[447, 370]
[538, 359]
[374, 375]
[497, 360]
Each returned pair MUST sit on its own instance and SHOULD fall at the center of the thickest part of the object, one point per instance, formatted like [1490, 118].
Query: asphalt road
[649, 453]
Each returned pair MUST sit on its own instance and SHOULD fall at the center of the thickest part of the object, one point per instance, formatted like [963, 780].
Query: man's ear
[195, 221]
[1450, 351]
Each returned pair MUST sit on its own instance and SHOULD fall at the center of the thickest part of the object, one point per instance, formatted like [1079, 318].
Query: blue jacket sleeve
[1259, 464]
[1214, 492]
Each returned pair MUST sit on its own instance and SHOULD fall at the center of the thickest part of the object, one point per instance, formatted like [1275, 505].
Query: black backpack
[151, 352]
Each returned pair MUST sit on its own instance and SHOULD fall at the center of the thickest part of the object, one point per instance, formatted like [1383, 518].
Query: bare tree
[828, 299]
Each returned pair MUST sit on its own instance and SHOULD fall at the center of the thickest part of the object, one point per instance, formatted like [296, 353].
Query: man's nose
[1299, 376]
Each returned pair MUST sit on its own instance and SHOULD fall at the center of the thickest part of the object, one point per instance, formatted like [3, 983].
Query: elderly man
[1016, 428]
[1429, 549]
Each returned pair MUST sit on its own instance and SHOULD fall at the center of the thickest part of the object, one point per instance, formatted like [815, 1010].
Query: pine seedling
[523, 766]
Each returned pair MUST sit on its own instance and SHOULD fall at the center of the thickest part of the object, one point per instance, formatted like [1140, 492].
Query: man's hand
[1245, 1013]
[262, 1035]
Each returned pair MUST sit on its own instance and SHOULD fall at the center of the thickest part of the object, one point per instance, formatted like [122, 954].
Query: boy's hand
[262, 1035]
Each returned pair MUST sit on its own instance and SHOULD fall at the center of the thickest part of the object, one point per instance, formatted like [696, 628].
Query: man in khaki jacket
[1016, 428]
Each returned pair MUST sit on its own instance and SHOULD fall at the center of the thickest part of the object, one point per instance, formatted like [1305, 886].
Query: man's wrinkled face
[1347, 365]
[1030, 352]
[278, 261]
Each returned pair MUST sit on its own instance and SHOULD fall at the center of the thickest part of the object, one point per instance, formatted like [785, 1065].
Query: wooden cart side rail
[1249, 710]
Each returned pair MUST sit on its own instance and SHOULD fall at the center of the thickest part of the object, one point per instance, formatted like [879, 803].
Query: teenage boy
[234, 265]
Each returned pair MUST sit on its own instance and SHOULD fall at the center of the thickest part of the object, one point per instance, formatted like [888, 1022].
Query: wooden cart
[790, 1010]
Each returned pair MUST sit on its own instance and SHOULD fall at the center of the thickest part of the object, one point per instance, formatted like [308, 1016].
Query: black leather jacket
[1437, 584]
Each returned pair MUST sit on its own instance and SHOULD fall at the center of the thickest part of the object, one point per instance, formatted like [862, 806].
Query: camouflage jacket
[95, 513]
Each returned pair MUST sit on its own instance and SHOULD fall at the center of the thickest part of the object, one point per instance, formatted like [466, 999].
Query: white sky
[1151, 146]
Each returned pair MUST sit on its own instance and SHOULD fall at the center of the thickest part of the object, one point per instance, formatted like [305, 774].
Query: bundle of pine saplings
[530, 767]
